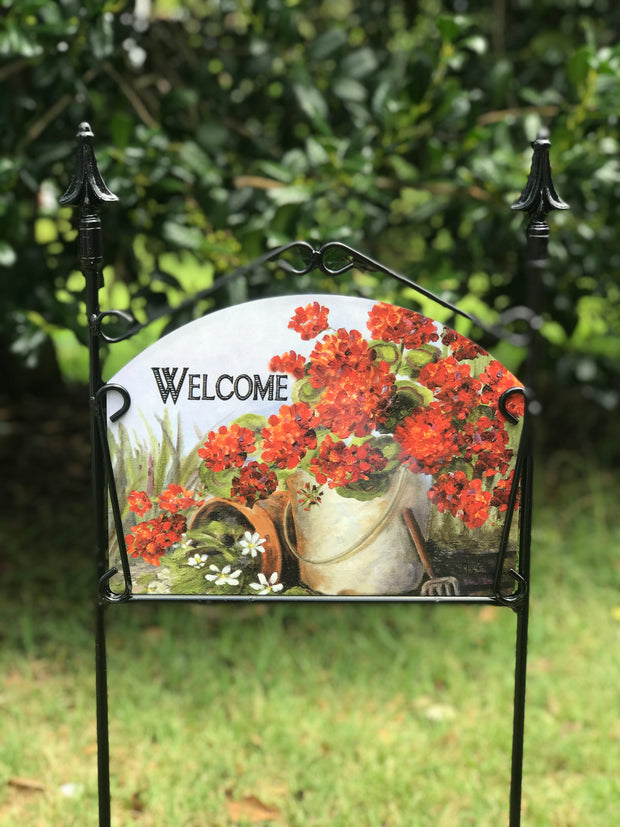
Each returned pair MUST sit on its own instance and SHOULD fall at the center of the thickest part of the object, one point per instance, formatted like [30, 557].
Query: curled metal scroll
[121, 315]
[519, 484]
[502, 403]
[318, 259]
[100, 408]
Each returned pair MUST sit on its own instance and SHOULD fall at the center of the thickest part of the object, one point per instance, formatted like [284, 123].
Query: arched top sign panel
[312, 445]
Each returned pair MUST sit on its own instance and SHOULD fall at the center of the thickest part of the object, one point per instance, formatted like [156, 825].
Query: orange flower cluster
[461, 347]
[357, 387]
[453, 386]
[139, 502]
[484, 444]
[309, 321]
[461, 497]
[501, 494]
[228, 448]
[356, 392]
[290, 435]
[428, 439]
[462, 421]
[150, 538]
[403, 327]
[496, 380]
[176, 498]
[340, 464]
[289, 362]
[456, 425]
[256, 481]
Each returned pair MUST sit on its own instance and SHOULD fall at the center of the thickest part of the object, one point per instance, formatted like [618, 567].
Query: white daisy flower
[265, 586]
[252, 544]
[197, 561]
[224, 577]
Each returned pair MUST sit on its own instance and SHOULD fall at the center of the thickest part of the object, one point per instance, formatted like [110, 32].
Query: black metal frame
[88, 192]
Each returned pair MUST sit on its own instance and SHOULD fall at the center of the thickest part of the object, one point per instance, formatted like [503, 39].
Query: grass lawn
[313, 715]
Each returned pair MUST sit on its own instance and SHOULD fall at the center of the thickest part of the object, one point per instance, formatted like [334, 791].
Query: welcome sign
[315, 445]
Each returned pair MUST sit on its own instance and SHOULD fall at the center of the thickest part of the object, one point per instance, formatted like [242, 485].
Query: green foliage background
[226, 128]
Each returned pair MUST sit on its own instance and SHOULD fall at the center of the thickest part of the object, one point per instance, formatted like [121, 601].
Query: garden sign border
[308, 441]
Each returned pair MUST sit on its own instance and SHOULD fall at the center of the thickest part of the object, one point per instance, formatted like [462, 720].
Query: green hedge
[403, 129]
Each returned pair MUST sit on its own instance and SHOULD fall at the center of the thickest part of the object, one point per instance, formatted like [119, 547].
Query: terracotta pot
[254, 519]
[349, 546]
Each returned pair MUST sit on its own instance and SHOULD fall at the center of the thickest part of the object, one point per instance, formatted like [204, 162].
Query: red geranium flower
[338, 357]
[496, 380]
[501, 493]
[176, 498]
[453, 386]
[151, 538]
[461, 497]
[290, 435]
[428, 439]
[340, 464]
[289, 362]
[310, 320]
[357, 386]
[406, 327]
[139, 502]
[461, 347]
[228, 448]
[485, 444]
[256, 481]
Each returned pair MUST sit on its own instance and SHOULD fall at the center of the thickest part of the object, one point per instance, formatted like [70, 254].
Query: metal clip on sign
[342, 406]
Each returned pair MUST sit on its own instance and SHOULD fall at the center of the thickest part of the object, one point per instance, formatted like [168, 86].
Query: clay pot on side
[239, 517]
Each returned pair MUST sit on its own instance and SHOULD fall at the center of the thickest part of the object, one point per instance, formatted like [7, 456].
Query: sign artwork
[314, 445]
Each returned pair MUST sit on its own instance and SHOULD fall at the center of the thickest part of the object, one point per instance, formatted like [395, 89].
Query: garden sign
[311, 445]
[308, 448]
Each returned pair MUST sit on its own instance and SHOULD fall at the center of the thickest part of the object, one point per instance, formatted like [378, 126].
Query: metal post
[522, 610]
[538, 198]
[88, 191]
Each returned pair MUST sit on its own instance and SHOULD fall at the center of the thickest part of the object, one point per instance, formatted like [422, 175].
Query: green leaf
[406, 399]
[359, 64]
[387, 351]
[7, 254]
[289, 195]
[317, 154]
[477, 43]
[348, 89]
[101, 36]
[194, 157]
[364, 490]
[417, 359]
[450, 26]
[15, 42]
[255, 422]
[304, 392]
[312, 104]
[579, 65]
[327, 43]
[191, 238]
[217, 483]
[121, 129]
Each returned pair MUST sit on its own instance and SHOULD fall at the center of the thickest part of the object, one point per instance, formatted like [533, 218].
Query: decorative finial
[87, 186]
[539, 196]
